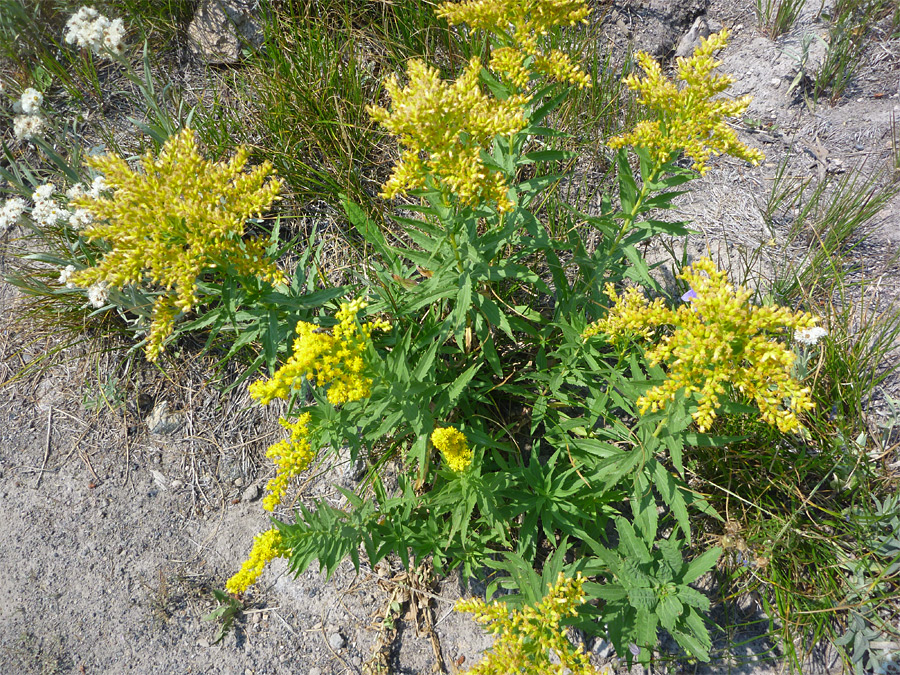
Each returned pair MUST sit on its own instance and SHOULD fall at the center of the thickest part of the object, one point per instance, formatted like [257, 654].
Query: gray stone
[336, 641]
[222, 28]
[701, 28]
[163, 422]
[251, 494]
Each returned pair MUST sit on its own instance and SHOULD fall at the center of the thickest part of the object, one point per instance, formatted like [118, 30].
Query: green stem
[628, 221]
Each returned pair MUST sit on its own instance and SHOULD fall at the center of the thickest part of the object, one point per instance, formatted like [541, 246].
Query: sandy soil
[111, 535]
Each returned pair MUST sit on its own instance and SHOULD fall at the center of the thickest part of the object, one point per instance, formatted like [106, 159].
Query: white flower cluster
[98, 295]
[28, 121]
[9, 214]
[66, 274]
[90, 29]
[46, 211]
[810, 336]
[83, 217]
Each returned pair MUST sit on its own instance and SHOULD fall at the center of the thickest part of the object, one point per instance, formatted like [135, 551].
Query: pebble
[336, 641]
[250, 494]
[315, 671]
[203, 643]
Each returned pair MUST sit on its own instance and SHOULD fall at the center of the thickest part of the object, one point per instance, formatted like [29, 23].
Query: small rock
[336, 641]
[221, 28]
[162, 422]
[315, 671]
[691, 40]
[250, 494]
[176, 484]
[203, 643]
[238, 482]
[603, 648]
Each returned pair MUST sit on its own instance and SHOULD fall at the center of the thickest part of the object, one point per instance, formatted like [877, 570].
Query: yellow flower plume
[336, 359]
[518, 23]
[266, 547]
[526, 638]
[451, 123]
[454, 447]
[292, 456]
[177, 217]
[688, 118]
[718, 338]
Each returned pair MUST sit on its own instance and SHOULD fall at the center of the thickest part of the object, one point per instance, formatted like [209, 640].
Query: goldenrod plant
[527, 402]
[502, 458]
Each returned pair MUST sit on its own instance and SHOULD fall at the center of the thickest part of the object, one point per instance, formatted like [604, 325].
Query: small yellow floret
[689, 118]
[526, 638]
[336, 359]
[718, 338]
[454, 447]
[451, 123]
[266, 547]
[178, 217]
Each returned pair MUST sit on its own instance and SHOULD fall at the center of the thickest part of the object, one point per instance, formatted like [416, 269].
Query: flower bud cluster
[28, 122]
[688, 118]
[182, 215]
[532, 639]
[718, 339]
[292, 456]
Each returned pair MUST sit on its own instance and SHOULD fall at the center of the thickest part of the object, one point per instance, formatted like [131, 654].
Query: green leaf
[459, 384]
[642, 598]
[668, 610]
[701, 565]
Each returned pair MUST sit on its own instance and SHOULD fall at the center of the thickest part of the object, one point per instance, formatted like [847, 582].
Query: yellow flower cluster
[291, 456]
[266, 547]
[334, 359]
[527, 637]
[450, 123]
[178, 217]
[453, 446]
[689, 118]
[519, 23]
[718, 338]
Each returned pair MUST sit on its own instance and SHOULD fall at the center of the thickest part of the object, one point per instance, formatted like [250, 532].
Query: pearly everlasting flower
[810, 336]
[65, 275]
[26, 127]
[9, 214]
[47, 213]
[43, 192]
[80, 219]
[98, 295]
[98, 185]
[75, 191]
[30, 102]
[89, 29]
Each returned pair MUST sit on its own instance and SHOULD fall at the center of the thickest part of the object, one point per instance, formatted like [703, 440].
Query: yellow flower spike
[334, 360]
[450, 123]
[291, 457]
[526, 638]
[522, 21]
[266, 547]
[454, 447]
[689, 118]
[176, 217]
[719, 339]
